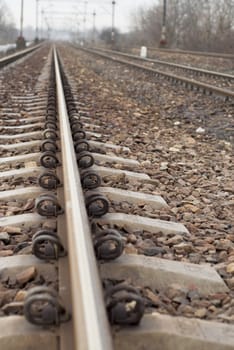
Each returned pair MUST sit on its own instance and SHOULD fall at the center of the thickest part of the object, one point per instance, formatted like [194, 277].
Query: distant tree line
[8, 31]
[191, 24]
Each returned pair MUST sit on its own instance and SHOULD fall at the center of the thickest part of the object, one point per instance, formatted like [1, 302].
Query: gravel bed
[18, 182]
[21, 80]
[142, 209]
[16, 207]
[215, 248]
[193, 171]
[163, 105]
[123, 182]
[13, 289]
[7, 131]
[18, 165]
[118, 166]
[180, 301]
[4, 153]
[215, 81]
[15, 240]
[19, 140]
[183, 140]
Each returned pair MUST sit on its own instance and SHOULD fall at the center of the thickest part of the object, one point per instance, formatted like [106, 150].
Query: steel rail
[91, 326]
[175, 65]
[14, 57]
[228, 56]
[195, 53]
[228, 94]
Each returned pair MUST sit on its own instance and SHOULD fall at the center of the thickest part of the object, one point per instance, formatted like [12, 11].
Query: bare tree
[191, 24]
[7, 29]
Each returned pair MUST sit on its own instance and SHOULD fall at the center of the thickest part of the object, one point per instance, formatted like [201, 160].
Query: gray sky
[123, 10]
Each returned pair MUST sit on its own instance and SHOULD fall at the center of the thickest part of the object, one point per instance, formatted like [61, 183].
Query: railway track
[218, 79]
[194, 53]
[50, 128]
[178, 52]
[213, 63]
[31, 226]
[11, 58]
[204, 60]
[212, 88]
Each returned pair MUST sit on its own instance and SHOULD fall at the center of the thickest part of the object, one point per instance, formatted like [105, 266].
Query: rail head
[91, 326]
[14, 57]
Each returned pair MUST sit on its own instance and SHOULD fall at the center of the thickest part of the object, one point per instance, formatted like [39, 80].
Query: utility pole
[84, 20]
[163, 40]
[37, 15]
[42, 15]
[20, 42]
[113, 23]
[21, 18]
[94, 27]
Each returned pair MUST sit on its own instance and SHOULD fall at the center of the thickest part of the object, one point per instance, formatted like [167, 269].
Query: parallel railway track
[13, 57]
[194, 53]
[178, 52]
[208, 62]
[226, 80]
[40, 147]
[188, 83]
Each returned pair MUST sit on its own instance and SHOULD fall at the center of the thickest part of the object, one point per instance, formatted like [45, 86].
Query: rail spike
[124, 304]
[46, 245]
[42, 307]
[108, 244]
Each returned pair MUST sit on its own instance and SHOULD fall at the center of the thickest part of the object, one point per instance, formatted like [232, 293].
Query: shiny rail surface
[91, 327]
[188, 83]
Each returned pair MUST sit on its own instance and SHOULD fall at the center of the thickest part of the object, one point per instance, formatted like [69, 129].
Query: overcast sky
[123, 10]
